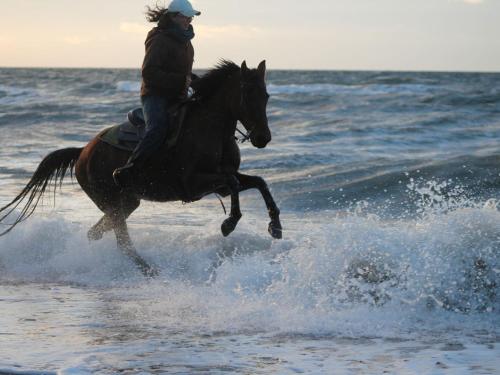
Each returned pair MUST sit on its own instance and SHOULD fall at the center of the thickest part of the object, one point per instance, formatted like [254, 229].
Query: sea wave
[445, 260]
[336, 89]
[388, 185]
[388, 188]
[15, 371]
[12, 95]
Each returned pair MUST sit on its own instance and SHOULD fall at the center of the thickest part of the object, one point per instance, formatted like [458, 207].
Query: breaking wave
[330, 270]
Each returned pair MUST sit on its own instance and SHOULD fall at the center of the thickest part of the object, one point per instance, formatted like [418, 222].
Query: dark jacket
[167, 62]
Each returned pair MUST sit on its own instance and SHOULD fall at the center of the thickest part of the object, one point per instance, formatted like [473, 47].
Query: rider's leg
[156, 115]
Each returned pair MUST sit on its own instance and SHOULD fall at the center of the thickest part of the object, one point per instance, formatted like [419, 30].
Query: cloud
[75, 40]
[202, 31]
[235, 31]
[5, 40]
[471, 2]
[134, 28]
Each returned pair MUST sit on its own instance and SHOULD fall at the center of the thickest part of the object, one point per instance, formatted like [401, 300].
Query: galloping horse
[205, 160]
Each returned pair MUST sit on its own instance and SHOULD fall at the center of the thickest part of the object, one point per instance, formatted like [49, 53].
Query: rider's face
[182, 21]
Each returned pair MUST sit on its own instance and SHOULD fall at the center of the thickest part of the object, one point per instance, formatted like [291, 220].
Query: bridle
[245, 138]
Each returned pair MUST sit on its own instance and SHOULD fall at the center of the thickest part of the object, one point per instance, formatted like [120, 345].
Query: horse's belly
[161, 190]
[164, 196]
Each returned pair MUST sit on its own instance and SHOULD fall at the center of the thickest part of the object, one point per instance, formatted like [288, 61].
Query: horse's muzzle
[260, 140]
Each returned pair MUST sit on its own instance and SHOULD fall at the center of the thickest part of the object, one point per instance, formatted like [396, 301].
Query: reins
[245, 138]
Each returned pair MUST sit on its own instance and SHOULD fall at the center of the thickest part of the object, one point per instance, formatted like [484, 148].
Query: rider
[166, 77]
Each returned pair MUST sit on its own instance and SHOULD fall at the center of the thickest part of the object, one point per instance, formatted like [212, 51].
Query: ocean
[388, 185]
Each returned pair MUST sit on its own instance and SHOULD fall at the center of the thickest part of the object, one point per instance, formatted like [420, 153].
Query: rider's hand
[188, 81]
[185, 93]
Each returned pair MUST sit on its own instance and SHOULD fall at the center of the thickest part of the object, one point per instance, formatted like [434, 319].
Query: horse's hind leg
[124, 242]
[117, 209]
[105, 224]
[127, 247]
[255, 182]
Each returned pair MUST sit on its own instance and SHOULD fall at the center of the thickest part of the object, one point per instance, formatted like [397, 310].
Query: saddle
[128, 134]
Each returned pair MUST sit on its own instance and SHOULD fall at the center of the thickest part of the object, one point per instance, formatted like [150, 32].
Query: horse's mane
[209, 83]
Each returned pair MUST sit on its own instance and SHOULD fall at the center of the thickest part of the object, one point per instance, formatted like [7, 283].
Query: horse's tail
[52, 168]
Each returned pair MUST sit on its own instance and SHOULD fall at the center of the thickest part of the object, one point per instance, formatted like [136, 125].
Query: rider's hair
[155, 14]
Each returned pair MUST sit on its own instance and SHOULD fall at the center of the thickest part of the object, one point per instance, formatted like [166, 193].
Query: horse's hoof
[147, 270]
[228, 227]
[94, 235]
[151, 272]
[275, 230]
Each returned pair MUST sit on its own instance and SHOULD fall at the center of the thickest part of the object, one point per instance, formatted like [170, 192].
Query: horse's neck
[217, 115]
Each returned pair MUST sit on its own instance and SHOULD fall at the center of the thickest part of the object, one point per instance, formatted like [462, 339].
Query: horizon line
[395, 70]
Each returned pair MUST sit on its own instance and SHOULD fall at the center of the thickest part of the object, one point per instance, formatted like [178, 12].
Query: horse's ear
[244, 67]
[262, 69]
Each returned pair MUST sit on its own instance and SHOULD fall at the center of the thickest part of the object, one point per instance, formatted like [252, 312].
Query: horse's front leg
[199, 185]
[256, 182]
[230, 223]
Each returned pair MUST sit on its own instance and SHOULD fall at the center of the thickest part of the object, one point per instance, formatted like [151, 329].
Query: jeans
[156, 114]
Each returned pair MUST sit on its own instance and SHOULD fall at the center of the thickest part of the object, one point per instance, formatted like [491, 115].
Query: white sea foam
[322, 279]
[128, 86]
[333, 277]
[336, 89]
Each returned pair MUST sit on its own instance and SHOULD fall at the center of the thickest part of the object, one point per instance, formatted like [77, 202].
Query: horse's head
[242, 92]
[253, 103]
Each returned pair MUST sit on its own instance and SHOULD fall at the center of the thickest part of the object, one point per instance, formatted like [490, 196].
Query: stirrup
[122, 174]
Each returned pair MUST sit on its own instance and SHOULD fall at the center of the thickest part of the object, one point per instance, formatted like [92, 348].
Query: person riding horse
[166, 77]
[205, 159]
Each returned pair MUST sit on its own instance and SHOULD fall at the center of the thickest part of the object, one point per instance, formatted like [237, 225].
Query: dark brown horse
[205, 160]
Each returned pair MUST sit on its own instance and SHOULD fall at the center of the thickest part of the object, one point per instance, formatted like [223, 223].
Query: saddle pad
[126, 136]
[120, 136]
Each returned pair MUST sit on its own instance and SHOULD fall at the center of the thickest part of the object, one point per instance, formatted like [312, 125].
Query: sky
[429, 35]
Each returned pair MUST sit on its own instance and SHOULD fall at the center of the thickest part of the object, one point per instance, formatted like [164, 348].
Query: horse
[204, 160]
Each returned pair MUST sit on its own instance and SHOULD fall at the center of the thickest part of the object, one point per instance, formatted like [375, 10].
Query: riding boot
[125, 176]
[157, 120]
